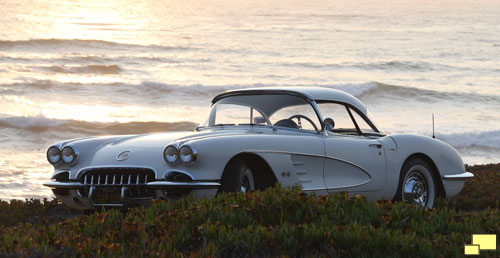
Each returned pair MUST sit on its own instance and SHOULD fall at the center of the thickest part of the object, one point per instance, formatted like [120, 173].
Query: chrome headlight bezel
[172, 150]
[56, 154]
[183, 149]
[190, 153]
[74, 154]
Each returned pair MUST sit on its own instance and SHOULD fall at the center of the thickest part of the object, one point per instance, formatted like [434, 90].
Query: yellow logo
[481, 242]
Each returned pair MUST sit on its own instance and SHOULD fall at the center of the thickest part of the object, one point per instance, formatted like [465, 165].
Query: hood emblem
[123, 155]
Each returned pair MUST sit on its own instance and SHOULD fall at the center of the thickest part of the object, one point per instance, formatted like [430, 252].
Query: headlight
[187, 154]
[68, 154]
[53, 155]
[171, 154]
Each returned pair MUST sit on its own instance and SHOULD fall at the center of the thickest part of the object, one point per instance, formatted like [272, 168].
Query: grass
[478, 193]
[276, 222]
[33, 210]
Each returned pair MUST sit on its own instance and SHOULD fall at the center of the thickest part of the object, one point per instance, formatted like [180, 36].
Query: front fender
[445, 158]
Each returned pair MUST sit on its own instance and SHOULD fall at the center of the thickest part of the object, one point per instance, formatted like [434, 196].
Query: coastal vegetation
[275, 222]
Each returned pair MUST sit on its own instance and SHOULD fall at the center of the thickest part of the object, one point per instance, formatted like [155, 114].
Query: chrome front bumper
[454, 183]
[152, 185]
[462, 176]
[124, 200]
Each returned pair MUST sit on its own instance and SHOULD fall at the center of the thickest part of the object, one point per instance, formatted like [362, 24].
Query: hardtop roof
[311, 93]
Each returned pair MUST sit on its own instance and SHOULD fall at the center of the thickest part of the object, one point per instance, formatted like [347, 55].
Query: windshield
[278, 110]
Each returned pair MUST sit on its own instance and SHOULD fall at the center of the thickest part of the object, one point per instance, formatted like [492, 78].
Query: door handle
[378, 145]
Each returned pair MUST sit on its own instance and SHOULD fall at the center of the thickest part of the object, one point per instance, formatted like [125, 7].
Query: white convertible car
[319, 139]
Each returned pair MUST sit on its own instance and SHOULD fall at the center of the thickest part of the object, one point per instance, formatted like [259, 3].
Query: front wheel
[416, 184]
[238, 177]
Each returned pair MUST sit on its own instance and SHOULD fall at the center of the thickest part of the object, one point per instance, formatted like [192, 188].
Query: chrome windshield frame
[310, 101]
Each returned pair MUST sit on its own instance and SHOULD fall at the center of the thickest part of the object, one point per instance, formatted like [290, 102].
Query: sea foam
[487, 139]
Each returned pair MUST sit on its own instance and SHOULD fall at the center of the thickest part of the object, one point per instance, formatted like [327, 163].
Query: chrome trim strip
[66, 185]
[192, 185]
[335, 188]
[313, 155]
[459, 176]
[349, 186]
[296, 130]
[313, 189]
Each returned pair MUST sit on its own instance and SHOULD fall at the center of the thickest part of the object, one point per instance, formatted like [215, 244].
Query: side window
[297, 113]
[339, 114]
[363, 125]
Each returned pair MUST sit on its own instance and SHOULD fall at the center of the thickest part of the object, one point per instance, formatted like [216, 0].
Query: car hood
[146, 148]
[163, 139]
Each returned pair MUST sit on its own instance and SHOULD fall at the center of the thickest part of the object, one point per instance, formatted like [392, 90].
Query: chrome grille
[135, 179]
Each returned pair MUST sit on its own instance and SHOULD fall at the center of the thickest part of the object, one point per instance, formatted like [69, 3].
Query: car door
[353, 161]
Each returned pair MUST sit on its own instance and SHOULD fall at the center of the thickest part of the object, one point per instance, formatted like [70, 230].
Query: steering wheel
[306, 118]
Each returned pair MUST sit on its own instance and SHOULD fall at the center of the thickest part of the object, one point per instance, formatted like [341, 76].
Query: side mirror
[329, 124]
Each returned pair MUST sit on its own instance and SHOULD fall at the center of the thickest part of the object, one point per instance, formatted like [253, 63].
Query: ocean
[76, 68]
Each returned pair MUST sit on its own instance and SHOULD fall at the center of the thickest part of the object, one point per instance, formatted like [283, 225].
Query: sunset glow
[93, 64]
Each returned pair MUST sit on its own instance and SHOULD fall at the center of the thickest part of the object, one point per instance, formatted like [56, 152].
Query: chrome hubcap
[247, 183]
[415, 190]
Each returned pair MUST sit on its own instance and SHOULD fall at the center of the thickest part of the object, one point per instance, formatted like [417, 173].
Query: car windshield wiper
[199, 128]
[222, 124]
[253, 124]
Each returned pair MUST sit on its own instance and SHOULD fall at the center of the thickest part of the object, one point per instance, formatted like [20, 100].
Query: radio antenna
[433, 135]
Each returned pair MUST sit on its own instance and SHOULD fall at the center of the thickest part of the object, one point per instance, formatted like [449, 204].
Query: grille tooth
[86, 178]
[137, 181]
[106, 182]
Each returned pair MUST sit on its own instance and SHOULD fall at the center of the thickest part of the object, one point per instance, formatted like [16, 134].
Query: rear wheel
[416, 184]
[238, 177]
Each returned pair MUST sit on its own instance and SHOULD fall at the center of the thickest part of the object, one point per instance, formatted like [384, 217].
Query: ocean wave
[404, 66]
[425, 95]
[92, 69]
[354, 89]
[372, 90]
[198, 89]
[401, 66]
[81, 43]
[102, 58]
[488, 139]
[57, 42]
[40, 124]
[212, 90]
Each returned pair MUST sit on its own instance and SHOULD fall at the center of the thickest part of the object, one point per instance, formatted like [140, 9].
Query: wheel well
[262, 172]
[435, 172]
